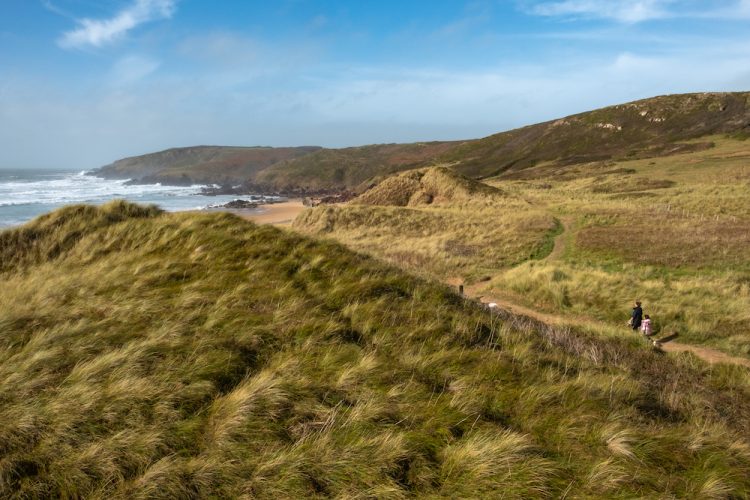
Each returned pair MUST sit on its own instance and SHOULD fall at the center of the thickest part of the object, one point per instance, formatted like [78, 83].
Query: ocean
[25, 194]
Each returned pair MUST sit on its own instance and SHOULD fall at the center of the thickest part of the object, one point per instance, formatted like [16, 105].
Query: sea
[26, 194]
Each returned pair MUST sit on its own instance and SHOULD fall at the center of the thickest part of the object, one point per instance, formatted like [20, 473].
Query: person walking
[646, 329]
[636, 317]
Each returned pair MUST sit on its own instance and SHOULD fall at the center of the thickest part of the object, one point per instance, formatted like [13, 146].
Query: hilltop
[435, 185]
[200, 164]
[655, 127]
[154, 355]
[350, 168]
[303, 169]
[580, 241]
[435, 221]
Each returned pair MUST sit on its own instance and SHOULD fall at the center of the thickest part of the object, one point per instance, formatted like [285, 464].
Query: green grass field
[438, 224]
[149, 355]
[673, 231]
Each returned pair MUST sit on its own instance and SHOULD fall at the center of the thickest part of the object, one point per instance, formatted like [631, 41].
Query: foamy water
[25, 194]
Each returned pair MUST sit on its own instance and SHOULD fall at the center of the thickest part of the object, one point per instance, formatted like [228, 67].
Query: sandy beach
[280, 214]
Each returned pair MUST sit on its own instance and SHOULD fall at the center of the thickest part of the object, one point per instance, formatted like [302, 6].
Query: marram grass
[150, 355]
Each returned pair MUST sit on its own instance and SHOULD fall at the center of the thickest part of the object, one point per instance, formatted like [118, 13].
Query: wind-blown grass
[198, 355]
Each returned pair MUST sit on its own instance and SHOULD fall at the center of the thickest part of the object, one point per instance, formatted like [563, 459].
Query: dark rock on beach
[239, 204]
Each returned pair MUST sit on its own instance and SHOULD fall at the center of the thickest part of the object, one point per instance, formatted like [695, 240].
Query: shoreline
[276, 214]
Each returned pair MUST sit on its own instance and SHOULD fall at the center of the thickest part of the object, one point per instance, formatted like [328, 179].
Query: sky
[86, 82]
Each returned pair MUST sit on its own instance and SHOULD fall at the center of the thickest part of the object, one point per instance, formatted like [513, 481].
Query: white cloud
[626, 11]
[221, 48]
[99, 32]
[636, 11]
[736, 10]
[131, 69]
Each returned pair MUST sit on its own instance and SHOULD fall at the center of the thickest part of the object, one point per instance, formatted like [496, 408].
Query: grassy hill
[271, 169]
[652, 127]
[655, 127]
[201, 164]
[331, 169]
[434, 185]
[151, 355]
[438, 222]
[673, 231]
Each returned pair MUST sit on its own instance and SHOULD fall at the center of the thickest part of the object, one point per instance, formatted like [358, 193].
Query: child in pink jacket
[646, 326]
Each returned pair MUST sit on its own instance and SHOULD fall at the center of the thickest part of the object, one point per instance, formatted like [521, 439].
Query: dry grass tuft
[202, 356]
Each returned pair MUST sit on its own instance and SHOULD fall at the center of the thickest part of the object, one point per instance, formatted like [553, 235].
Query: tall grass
[672, 231]
[199, 356]
[471, 239]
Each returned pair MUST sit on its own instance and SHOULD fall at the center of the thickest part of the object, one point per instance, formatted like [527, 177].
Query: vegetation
[681, 246]
[438, 222]
[351, 168]
[673, 231]
[654, 127]
[649, 128]
[200, 164]
[436, 185]
[148, 355]
[300, 169]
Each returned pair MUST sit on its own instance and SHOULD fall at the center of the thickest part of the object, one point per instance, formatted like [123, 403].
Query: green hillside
[200, 164]
[273, 169]
[651, 127]
[151, 355]
[580, 242]
[659, 126]
[350, 167]
[434, 185]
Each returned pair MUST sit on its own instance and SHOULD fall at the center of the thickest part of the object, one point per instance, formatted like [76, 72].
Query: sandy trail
[477, 292]
[278, 214]
[561, 241]
[282, 214]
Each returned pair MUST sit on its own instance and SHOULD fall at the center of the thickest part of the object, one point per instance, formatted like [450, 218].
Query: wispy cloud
[626, 11]
[47, 4]
[131, 69]
[636, 11]
[99, 32]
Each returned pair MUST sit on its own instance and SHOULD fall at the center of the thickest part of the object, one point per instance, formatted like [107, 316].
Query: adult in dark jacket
[637, 316]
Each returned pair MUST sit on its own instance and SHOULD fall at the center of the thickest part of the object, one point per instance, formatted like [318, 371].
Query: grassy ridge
[201, 164]
[654, 127]
[648, 128]
[291, 169]
[673, 231]
[438, 222]
[351, 168]
[191, 356]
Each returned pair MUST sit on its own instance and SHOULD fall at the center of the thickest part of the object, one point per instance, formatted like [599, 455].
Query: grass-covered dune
[436, 221]
[351, 168]
[434, 185]
[152, 355]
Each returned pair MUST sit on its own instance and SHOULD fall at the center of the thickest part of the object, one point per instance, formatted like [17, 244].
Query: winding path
[707, 354]
[477, 292]
[560, 241]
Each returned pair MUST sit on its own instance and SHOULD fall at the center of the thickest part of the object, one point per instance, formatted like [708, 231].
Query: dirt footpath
[705, 353]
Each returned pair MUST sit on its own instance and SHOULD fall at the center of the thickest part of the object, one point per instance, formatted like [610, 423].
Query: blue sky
[84, 82]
